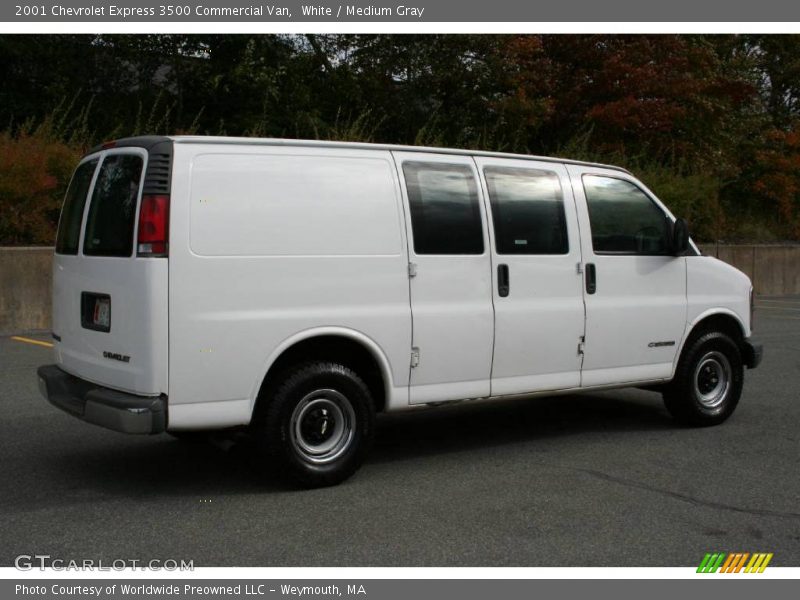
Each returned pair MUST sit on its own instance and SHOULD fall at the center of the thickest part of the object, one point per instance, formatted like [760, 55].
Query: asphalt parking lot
[599, 480]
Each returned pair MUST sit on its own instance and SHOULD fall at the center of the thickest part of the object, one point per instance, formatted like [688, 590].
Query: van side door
[634, 289]
[449, 277]
[538, 297]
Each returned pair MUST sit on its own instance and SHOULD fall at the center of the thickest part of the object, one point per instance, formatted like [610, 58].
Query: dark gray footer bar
[730, 588]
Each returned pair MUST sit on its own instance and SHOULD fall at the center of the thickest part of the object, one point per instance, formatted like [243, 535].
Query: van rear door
[110, 274]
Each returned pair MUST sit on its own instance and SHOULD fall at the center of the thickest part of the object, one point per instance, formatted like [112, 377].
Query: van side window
[623, 218]
[69, 228]
[109, 226]
[528, 211]
[445, 209]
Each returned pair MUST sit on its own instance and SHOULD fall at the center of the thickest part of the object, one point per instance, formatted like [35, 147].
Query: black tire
[317, 426]
[708, 381]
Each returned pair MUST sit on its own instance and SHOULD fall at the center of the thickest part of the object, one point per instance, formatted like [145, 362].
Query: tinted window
[445, 214]
[69, 228]
[109, 226]
[624, 219]
[528, 211]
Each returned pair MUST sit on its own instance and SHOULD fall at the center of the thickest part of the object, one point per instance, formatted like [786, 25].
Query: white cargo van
[299, 288]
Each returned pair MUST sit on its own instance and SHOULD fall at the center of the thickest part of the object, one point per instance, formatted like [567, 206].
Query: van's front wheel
[708, 382]
[318, 426]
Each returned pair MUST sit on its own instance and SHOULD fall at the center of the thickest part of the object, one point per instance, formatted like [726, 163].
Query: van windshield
[109, 226]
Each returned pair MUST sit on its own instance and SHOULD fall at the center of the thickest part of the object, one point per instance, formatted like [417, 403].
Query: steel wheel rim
[322, 426]
[712, 379]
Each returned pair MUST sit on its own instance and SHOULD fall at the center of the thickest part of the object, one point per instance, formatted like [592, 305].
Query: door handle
[503, 284]
[591, 278]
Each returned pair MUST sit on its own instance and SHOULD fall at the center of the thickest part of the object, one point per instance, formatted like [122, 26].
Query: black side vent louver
[159, 168]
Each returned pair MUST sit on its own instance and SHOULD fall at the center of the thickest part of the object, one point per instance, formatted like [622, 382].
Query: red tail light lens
[153, 226]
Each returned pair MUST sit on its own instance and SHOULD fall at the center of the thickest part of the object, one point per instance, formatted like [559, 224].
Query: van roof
[146, 141]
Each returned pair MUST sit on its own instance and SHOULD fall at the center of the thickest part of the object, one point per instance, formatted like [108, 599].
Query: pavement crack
[685, 497]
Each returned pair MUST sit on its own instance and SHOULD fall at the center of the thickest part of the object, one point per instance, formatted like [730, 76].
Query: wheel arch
[350, 346]
[720, 319]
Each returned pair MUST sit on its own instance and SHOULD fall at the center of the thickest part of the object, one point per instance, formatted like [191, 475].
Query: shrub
[34, 173]
[694, 197]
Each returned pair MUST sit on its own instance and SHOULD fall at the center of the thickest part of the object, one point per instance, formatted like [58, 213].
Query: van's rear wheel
[318, 426]
[708, 382]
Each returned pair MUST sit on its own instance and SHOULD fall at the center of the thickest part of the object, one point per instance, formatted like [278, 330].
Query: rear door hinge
[414, 357]
[581, 345]
[579, 268]
[412, 269]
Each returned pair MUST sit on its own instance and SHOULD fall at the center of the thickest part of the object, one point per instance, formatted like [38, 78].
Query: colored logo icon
[734, 562]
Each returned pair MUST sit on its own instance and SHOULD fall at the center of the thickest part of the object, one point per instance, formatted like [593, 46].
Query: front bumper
[100, 405]
[752, 354]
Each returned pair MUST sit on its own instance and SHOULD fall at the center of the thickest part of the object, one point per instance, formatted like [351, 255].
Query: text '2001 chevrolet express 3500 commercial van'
[299, 288]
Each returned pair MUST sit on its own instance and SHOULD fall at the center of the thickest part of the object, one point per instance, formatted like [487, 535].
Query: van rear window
[69, 228]
[112, 214]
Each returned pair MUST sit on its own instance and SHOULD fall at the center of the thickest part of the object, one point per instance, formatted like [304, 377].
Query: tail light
[752, 308]
[153, 226]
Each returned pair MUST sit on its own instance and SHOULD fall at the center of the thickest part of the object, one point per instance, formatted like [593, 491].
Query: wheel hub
[322, 426]
[708, 378]
[712, 379]
[318, 425]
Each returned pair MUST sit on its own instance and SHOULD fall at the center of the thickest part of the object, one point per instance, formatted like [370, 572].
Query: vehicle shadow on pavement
[163, 466]
[470, 426]
[217, 464]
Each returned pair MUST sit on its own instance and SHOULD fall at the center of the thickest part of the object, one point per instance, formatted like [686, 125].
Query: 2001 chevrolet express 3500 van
[299, 288]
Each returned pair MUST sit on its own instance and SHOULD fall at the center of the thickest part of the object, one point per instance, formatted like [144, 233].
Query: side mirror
[680, 237]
